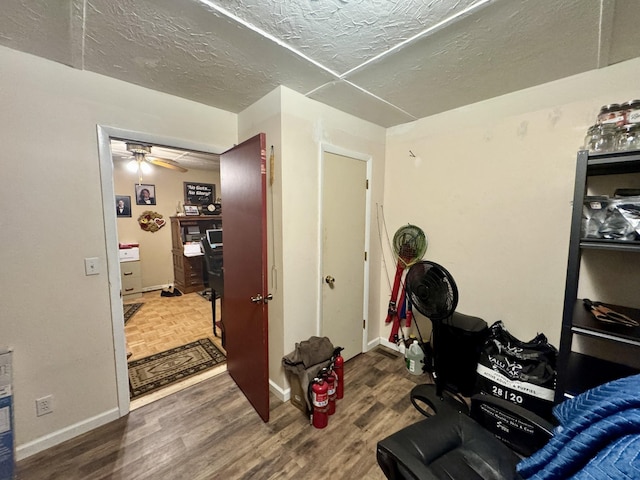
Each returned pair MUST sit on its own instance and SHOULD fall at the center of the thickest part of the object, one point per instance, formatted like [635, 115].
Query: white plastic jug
[415, 359]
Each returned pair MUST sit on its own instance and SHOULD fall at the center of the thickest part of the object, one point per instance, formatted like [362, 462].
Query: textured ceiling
[386, 61]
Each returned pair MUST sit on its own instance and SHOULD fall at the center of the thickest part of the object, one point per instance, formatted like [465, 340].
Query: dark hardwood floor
[210, 431]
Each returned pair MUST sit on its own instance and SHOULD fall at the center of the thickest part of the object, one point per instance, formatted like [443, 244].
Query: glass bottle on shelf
[601, 138]
[628, 137]
[591, 137]
[632, 111]
[606, 139]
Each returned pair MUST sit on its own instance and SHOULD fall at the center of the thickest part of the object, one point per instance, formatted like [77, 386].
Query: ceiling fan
[142, 157]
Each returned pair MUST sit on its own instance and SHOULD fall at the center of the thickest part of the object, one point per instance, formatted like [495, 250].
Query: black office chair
[453, 445]
[597, 436]
[215, 279]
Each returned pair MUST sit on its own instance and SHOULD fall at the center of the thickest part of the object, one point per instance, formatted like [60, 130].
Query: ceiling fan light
[145, 167]
[132, 166]
[138, 148]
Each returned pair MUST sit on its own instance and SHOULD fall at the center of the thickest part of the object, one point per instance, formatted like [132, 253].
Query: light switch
[92, 266]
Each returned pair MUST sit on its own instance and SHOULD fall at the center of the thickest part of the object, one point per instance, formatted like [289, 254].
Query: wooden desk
[188, 271]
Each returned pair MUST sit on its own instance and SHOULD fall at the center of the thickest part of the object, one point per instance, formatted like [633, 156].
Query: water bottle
[415, 359]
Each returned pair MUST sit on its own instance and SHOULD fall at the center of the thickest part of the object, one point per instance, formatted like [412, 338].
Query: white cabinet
[131, 279]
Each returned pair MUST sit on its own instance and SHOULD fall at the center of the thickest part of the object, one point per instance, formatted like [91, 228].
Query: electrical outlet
[44, 405]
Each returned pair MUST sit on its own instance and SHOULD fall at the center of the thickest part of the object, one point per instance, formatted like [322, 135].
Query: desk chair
[597, 437]
[213, 262]
[453, 444]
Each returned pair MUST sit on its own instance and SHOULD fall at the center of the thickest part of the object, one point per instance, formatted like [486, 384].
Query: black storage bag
[521, 372]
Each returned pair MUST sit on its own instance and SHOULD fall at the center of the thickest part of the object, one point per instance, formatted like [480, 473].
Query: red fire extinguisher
[320, 402]
[330, 377]
[338, 368]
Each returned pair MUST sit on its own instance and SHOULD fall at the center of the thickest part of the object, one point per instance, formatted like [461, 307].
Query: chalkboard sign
[199, 193]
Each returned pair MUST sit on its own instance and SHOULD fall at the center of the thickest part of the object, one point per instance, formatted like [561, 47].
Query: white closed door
[343, 251]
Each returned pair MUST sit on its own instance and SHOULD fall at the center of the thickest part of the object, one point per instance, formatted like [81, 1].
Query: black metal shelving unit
[578, 372]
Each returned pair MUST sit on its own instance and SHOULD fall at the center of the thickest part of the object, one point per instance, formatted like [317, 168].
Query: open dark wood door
[243, 187]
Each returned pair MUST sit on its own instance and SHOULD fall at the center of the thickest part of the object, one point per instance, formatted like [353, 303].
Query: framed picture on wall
[123, 205]
[196, 193]
[145, 194]
[191, 210]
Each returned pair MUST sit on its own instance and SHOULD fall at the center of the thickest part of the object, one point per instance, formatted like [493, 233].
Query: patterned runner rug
[164, 368]
[130, 309]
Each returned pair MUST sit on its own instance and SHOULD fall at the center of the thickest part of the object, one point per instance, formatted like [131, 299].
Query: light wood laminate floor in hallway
[163, 323]
[210, 431]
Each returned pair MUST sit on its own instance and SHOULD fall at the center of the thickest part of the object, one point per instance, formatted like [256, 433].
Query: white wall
[57, 320]
[492, 187]
[264, 117]
[491, 184]
[156, 260]
[306, 126]
[297, 127]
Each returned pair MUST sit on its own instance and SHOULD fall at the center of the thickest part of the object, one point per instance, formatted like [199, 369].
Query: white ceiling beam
[424, 33]
[268, 36]
[605, 31]
[77, 33]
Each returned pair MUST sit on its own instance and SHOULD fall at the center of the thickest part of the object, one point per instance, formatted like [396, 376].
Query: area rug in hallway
[164, 368]
[130, 309]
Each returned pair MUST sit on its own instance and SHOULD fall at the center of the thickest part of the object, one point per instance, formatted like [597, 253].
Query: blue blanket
[598, 436]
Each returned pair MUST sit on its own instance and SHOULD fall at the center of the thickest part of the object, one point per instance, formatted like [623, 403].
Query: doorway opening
[196, 163]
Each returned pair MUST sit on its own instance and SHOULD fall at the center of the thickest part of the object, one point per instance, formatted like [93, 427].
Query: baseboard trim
[38, 445]
[388, 344]
[373, 343]
[282, 394]
[153, 288]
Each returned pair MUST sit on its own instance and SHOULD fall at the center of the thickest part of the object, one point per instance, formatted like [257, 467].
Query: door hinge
[367, 184]
[365, 256]
[364, 324]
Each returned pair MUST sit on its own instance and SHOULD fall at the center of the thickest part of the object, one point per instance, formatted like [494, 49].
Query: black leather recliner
[451, 444]
[597, 437]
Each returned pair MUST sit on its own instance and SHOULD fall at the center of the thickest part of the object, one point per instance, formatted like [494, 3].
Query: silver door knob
[330, 280]
[268, 297]
[256, 299]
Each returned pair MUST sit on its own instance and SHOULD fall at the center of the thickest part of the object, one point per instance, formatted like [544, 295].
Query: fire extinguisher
[329, 376]
[338, 368]
[320, 403]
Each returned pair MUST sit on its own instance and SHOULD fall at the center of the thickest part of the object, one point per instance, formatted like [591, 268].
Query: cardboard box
[7, 446]
[297, 395]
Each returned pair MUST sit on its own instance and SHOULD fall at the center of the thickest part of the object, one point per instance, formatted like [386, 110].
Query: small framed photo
[123, 205]
[191, 210]
[145, 194]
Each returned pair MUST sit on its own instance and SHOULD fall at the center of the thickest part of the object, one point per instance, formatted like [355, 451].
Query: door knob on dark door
[256, 299]
[268, 297]
[330, 280]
